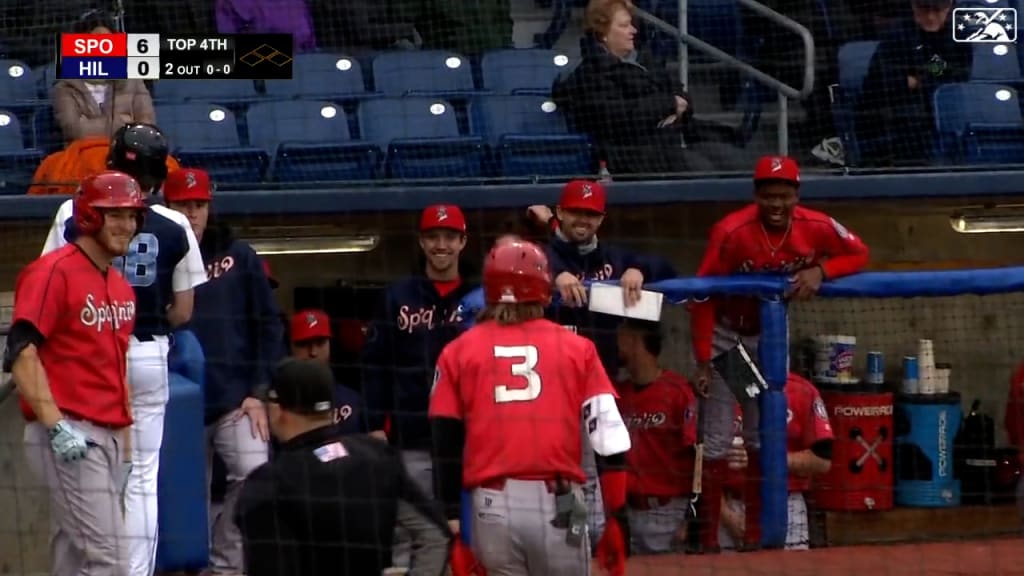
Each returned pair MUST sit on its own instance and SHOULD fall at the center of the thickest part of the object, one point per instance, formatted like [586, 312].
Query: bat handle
[698, 470]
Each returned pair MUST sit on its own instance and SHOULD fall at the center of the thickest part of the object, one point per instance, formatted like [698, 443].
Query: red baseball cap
[187, 184]
[310, 325]
[583, 195]
[443, 216]
[781, 168]
[270, 275]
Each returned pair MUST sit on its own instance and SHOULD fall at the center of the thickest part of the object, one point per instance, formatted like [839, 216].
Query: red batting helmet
[107, 190]
[517, 272]
[777, 169]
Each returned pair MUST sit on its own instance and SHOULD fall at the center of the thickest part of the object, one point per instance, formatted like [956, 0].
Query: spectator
[895, 124]
[311, 340]
[268, 17]
[358, 26]
[638, 116]
[236, 320]
[86, 108]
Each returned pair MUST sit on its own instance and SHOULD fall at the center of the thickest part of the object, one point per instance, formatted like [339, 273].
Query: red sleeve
[40, 297]
[1015, 409]
[817, 426]
[596, 378]
[444, 394]
[702, 314]
[845, 252]
[689, 408]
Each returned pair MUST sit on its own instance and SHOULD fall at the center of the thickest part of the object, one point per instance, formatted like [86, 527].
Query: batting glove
[462, 561]
[613, 548]
[67, 442]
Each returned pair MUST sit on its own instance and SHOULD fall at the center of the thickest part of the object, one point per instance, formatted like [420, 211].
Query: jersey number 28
[525, 368]
[139, 266]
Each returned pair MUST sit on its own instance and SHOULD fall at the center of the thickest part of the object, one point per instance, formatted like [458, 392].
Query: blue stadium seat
[528, 137]
[421, 138]
[854, 58]
[320, 75]
[995, 63]
[17, 163]
[522, 71]
[206, 136]
[422, 73]
[219, 91]
[979, 124]
[716, 22]
[46, 77]
[309, 141]
[19, 90]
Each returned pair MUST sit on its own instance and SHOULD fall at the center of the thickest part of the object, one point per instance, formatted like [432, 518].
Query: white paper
[608, 299]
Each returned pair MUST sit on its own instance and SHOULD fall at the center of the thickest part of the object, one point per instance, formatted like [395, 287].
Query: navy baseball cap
[302, 387]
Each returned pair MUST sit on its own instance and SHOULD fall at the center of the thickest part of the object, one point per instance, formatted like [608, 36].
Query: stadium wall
[906, 232]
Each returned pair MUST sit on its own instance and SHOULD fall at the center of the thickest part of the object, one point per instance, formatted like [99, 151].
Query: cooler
[926, 428]
[184, 528]
[861, 476]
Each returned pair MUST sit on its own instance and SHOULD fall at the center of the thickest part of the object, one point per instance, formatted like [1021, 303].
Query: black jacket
[328, 505]
[620, 104]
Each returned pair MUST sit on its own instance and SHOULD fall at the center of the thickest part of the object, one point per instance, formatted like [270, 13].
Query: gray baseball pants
[420, 466]
[231, 437]
[720, 406]
[513, 535]
[86, 502]
[656, 529]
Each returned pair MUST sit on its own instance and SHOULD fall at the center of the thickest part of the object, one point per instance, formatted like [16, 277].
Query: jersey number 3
[139, 266]
[525, 368]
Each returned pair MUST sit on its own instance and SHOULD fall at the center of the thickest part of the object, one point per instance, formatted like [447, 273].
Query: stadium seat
[309, 141]
[995, 63]
[46, 77]
[854, 58]
[528, 137]
[19, 90]
[422, 73]
[220, 91]
[421, 138]
[522, 71]
[206, 136]
[979, 124]
[716, 22]
[17, 163]
[320, 75]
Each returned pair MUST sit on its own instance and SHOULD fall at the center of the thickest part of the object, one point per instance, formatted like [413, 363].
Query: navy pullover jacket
[405, 338]
[605, 263]
[237, 321]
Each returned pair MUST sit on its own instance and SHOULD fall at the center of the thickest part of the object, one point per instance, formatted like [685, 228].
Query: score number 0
[144, 56]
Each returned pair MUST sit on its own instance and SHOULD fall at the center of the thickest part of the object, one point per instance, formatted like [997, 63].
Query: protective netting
[425, 89]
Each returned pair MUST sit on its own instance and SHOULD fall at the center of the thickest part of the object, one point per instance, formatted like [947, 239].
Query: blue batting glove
[67, 442]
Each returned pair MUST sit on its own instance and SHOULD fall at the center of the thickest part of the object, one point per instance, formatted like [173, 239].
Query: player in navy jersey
[163, 266]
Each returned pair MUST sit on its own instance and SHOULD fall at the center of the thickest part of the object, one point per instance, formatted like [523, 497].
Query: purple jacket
[268, 17]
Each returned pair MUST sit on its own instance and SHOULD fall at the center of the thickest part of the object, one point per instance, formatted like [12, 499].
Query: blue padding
[186, 358]
[774, 364]
[909, 284]
[466, 518]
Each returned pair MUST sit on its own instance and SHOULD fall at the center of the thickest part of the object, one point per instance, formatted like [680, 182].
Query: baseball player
[660, 410]
[311, 340]
[237, 322]
[419, 316]
[773, 234]
[329, 503]
[508, 398]
[73, 315]
[809, 441]
[163, 265]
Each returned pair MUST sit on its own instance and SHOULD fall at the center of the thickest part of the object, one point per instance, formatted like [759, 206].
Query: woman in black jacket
[640, 119]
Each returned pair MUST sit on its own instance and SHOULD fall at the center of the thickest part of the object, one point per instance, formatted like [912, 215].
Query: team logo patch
[190, 179]
[330, 452]
[311, 320]
[437, 378]
[819, 409]
[688, 415]
[789, 416]
[776, 164]
[588, 191]
[843, 232]
[442, 213]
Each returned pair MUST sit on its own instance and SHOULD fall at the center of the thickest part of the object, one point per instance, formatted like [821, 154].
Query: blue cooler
[182, 486]
[926, 427]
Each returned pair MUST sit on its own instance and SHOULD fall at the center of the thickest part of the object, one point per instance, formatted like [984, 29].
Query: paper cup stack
[942, 375]
[926, 367]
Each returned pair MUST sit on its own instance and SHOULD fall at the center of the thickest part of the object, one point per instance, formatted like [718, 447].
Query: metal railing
[785, 92]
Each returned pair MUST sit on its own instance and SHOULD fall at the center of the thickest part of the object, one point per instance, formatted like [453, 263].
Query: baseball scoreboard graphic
[164, 57]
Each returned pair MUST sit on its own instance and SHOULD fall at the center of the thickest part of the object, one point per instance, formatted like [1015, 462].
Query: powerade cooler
[926, 429]
[183, 544]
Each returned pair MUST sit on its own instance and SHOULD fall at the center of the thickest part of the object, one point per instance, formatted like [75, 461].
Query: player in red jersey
[510, 394]
[771, 235]
[809, 453]
[660, 410]
[73, 316]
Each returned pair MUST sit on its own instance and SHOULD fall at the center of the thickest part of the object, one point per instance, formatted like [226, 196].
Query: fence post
[774, 360]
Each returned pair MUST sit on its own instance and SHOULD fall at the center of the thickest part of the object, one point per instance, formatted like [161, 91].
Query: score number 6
[526, 369]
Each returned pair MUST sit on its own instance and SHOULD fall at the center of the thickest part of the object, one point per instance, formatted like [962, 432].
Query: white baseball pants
[798, 533]
[147, 377]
